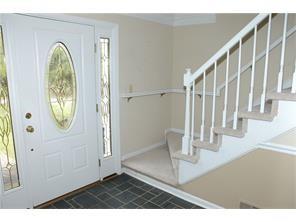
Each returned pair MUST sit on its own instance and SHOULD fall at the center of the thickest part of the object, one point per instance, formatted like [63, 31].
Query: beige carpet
[155, 163]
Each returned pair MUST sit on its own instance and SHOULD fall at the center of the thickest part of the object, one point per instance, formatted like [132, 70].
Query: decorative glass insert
[105, 95]
[61, 83]
[8, 160]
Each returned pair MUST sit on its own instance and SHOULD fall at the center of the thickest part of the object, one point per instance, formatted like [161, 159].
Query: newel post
[186, 137]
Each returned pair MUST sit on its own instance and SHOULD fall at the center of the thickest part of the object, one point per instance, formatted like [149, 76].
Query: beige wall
[288, 138]
[262, 178]
[145, 62]
[154, 56]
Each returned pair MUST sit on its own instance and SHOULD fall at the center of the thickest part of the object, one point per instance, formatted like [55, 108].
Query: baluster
[226, 91]
[214, 104]
[237, 86]
[186, 137]
[202, 127]
[250, 106]
[192, 117]
[282, 64]
[262, 106]
[294, 80]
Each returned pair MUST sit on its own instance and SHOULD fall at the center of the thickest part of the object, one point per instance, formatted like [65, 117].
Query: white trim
[143, 150]
[176, 19]
[278, 148]
[172, 190]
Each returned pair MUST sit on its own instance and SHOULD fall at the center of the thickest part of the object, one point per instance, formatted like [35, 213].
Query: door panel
[59, 160]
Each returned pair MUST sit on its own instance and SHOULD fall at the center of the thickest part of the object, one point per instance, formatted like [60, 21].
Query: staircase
[234, 130]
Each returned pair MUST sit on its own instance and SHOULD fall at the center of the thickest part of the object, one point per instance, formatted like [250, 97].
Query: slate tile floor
[122, 192]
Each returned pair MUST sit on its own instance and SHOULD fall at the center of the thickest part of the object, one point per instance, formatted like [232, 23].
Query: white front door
[54, 64]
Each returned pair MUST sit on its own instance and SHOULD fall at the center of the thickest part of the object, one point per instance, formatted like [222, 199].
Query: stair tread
[288, 96]
[230, 132]
[188, 158]
[256, 115]
[206, 145]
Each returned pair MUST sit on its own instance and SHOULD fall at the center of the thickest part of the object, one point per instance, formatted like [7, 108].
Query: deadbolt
[28, 115]
[30, 129]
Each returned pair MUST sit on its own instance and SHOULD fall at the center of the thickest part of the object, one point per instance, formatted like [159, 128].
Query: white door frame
[102, 29]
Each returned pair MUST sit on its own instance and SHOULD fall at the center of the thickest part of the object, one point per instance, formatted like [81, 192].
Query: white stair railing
[251, 96]
[212, 63]
[263, 95]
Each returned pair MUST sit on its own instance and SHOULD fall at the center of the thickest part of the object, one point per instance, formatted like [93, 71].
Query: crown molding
[176, 19]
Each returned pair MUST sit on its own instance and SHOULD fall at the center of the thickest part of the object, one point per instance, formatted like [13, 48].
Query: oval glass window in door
[61, 85]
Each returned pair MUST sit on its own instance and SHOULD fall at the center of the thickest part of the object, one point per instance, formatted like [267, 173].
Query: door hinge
[99, 163]
[95, 47]
[97, 108]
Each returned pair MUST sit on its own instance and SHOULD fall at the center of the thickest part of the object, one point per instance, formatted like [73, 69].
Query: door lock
[30, 129]
[28, 115]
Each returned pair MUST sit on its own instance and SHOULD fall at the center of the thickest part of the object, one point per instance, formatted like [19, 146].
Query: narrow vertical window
[7, 150]
[105, 95]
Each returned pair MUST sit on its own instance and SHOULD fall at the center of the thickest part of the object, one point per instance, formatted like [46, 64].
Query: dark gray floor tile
[114, 203]
[109, 185]
[150, 205]
[62, 204]
[124, 186]
[114, 191]
[137, 190]
[136, 183]
[73, 195]
[169, 205]
[122, 192]
[140, 201]
[86, 200]
[126, 196]
[123, 178]
[147, 187]
[148, 196]
[197, 207]
[130, 205]
[49, 207]
[126, 177]
[181, 203]
[161, 198]
[74, 204]
[100, 205]
[104, 196]
[156, 191]
[97, 190]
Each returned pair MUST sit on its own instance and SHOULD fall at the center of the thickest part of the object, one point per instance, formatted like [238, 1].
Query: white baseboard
[278, 148]
[172, 190]
[142, 150]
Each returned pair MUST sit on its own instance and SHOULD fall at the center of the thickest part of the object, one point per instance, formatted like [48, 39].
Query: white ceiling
[177, 19]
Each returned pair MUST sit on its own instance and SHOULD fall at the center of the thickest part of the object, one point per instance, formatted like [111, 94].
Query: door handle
[30, 129]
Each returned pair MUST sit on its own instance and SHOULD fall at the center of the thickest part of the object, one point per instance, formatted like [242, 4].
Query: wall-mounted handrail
[160, 92]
